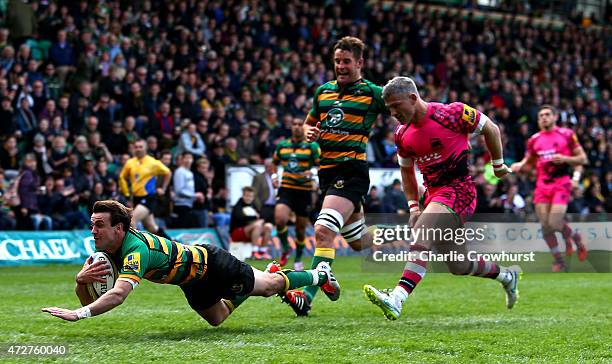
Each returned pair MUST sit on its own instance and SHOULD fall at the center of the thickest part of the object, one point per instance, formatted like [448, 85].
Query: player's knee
[328, 225]
[280, 221]
[554, 225]
[546, 228]
[324, 236]
[273, 284]
[268, 227]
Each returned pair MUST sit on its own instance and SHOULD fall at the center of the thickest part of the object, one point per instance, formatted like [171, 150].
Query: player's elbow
[491, 129]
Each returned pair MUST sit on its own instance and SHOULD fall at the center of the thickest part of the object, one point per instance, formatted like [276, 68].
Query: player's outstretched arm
[494, 145]
[106, 302]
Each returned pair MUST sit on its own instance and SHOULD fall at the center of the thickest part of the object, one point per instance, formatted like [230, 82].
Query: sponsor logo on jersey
[339, 184]
[293, 162]
[132, 262]
[428, 157]
[468, 115]
[334, 117]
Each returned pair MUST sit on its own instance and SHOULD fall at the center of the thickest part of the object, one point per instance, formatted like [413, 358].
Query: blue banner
[43, 247]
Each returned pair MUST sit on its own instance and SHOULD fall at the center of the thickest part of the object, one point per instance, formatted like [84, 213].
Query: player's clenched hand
[312, 132]
[68, 315]
[93, 272]
[558, 158]
[501, 171]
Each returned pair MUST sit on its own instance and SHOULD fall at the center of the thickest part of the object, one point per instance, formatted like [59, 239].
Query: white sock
[400, 294]
[504, 276]
[315, 276]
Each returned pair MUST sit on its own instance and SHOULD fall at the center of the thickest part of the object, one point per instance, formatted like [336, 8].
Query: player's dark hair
[549, 107]
[119, 214]
[351, 44]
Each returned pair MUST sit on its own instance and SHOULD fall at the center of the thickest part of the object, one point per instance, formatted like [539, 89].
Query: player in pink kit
[435, 137]
[553, 151]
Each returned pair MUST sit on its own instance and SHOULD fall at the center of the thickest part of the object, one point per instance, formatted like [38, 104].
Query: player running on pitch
[295, 193]
[213, 281]
[341, 118]
[435, 137]
[553, 151]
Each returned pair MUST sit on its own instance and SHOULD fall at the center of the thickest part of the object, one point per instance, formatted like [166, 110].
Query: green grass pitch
[559, 318]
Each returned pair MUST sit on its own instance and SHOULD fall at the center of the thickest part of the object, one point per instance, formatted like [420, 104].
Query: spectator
[267, 79]
[203, 192]
[247, 226]
[395, 200]
[26, 121]
[373, 204]
[184, 191]
[191, 142]
[10, 157]
[27, 213]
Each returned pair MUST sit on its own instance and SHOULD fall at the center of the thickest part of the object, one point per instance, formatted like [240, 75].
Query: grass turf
[559, 318]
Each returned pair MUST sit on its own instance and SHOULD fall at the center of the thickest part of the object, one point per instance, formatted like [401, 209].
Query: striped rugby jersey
[297, 157]
[145, 255]
[346, 117]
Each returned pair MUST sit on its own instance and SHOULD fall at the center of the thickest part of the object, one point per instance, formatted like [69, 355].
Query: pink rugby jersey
[544, 145]
[439, 143]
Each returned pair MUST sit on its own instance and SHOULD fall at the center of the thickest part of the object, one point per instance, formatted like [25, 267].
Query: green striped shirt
[297, 158]
[346, 117]
[145, 255]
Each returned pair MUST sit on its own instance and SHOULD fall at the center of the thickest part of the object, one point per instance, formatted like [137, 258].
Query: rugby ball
[97, 289]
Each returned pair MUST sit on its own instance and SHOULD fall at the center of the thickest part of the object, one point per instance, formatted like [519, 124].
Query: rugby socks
[553, 245]
[233, 304]
[414, 271]
[567, 232]
[283, 236]
[310, 278]
[485, 269]
[320, 255]
[161, 232]
[504, 276]
[299, 250]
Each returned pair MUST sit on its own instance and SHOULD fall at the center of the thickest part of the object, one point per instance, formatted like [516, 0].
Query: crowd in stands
[80, 81]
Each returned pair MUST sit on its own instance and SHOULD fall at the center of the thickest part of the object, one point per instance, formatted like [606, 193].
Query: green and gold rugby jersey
[297, 157]
[145, 255]
[346, 115]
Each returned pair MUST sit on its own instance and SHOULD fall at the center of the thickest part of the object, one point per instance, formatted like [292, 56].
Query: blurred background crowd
[80, 81]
